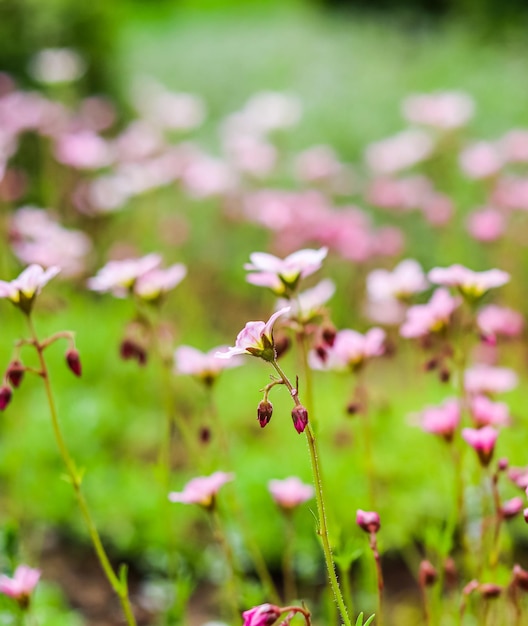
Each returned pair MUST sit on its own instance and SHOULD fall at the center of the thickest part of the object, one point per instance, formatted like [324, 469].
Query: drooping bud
[329, 334]
[490, 590]
[129, 349]
[427, 574]
[15, 373]
[300, 418]
[74, 361]
[264, 412]
[520, 577]
[369, 521]
[263, 615]
[5, 396]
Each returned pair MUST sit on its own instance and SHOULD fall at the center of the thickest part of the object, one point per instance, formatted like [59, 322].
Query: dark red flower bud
[264, 412]
[321, 353]
[444, 375]
[520, 577]
[74, 362]
[15, 373]
[5, 396]
[490, 590]
[300, 418]
[353, 407]
[282, 345]
[205, 435]
[427, 574]
[329, 335]
[129, 349]
[431, 364]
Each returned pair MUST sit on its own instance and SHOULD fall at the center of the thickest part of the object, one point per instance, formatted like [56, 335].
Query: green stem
[290, 588]
[75, 479]
[319, 497]
[231, 587]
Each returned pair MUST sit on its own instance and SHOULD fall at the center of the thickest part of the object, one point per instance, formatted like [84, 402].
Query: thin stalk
[319, 497]
[379, 575]
[494, 554]
[290, 588]
[231, 587]
[119, 587]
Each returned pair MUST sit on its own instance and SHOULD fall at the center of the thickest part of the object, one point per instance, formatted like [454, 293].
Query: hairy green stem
[75, 478]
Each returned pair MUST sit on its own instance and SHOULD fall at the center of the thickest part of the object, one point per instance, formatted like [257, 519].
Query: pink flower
[205, 365]
[519, 476]
[486, 412]
[262, 615]
[369, 521]
[307, 304]
[282, 275]
[23, 290]
[423, 319]
[256, 338]
[119, 277]
[444, 110]
[350, 350]
[406, 279]
[84, 150]
[290, 492]
[486, 224]
[21, 585]
[156, 282]
[442, 420]
[480, 160]
[482, 379]
[201, 490]
[399, 151]
[495, 320]
[482, 440]
[512, 507]
[469, 283]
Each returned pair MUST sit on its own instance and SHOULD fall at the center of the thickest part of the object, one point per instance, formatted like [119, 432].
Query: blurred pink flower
[482, 440]
[487, 224]
[369, 521]
[483, 379]
[494, 320]
[250, 154]
[511, 508]
[317, 164]
[519, 476]
[438, 209]
[469, 283]
[423, 319]
[256, 338]
[290, 492]
[156, 282]
[21, 586]
[486, 412]
[201, 490]
[442, 420]
[119, 277]
[307, 304]
[400, 151]
[268, 111]
[262, 615]
[406, 279]
[83, 150]
[480, 160]
[204, 365]
[399, 194]
[349, 350]
[513, 146]
[23, 290]
[444, 110]
[281, 275]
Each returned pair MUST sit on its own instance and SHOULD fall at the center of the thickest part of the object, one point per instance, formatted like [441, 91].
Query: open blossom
[482, 379]
[201, 490]
[204, 365]
[443, 419]
[350, 349]
[21, 586]
[496, 320]
[290, 492]
[469, 283]
[308, 303]
[119, 277]
[23, 290]
[482, 440]
[486, 412]
[282, 275]
[156, 282]
[262, 615]
[434, 316]
[256, 338]
[406, 279]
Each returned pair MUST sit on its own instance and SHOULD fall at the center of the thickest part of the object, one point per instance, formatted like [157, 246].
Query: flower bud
[300, 418]
[15, 373]
[369, 521]
[73, 361]
[520, 577]
[490, 590]
[5, 396]
[282, 345]
[263, 615]
[511, 508]
[329, 334]
[427, 574]
[129, 349]
[502, 464]
[264, 412]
